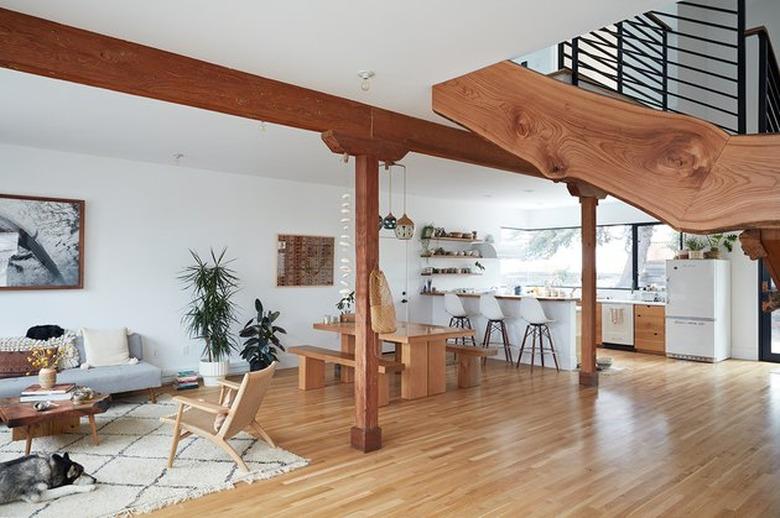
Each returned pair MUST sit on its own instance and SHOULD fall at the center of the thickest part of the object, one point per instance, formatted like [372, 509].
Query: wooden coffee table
[27, 423]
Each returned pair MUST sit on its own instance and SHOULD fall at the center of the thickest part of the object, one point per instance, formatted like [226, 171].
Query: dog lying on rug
[38, 478]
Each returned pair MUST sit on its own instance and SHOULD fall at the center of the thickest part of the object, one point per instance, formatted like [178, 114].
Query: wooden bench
[311, 368]
[469, 362]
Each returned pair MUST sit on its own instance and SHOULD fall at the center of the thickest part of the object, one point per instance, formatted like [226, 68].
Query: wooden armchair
[196, 416]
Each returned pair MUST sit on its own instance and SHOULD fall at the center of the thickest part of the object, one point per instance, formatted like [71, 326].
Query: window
[553, 256]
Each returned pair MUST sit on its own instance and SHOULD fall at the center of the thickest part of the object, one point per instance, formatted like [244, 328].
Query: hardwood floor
[659, 438]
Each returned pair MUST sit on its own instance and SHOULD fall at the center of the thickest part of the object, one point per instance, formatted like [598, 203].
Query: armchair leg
[233, 454]
[176, 435]
[263, 434]
[152, 396]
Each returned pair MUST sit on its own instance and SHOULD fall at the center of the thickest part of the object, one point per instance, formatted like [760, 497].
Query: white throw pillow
[105, 347]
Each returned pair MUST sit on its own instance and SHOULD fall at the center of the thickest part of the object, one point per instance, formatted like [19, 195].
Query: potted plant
[260, 348]
[695, 248]
[45, 360]
[716, 241]
[345, 307]
[211, 312]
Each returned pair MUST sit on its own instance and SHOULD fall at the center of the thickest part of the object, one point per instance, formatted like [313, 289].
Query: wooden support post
[589, 376]
[366, 434]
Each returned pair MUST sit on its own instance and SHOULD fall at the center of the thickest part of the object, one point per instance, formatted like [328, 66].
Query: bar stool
[532, 312]
[491, 310]
[458, 316]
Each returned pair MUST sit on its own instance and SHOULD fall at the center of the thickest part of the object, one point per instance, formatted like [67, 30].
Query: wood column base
[589, 379]
[366, 440]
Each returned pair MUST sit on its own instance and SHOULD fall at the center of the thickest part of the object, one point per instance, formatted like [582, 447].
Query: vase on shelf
[47, 378]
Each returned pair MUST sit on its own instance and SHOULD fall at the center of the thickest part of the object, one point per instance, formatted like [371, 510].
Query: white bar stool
[491, 310]
[458, 316]
[532, 312]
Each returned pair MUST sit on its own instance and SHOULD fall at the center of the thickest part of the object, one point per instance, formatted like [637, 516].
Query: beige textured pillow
[105, 347]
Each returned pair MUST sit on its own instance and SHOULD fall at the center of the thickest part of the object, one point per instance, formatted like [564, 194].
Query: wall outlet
[156, 353]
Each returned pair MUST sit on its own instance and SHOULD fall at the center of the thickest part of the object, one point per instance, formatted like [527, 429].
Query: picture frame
[305, 261]
[41, 243]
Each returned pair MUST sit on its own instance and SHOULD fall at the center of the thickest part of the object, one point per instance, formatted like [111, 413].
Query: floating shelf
[457, 240]
[450, 257]
[437, 274]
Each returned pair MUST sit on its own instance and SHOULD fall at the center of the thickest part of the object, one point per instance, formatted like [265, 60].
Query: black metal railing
[768, 83]
[689, 59]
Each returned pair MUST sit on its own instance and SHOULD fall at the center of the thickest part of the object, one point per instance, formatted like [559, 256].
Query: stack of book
[59, 392]
[186, 380]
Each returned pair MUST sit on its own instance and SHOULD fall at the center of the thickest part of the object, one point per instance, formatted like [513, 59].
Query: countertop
[508, 297]
[555, 299]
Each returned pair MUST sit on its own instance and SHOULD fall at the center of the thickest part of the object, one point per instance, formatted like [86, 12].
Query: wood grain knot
[685, 156]
[520, 124]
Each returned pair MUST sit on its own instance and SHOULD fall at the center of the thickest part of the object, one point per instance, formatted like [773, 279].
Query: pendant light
[405, 226]
[389, 222]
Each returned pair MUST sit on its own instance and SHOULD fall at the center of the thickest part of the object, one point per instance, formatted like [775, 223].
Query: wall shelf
[450, 257]
[438, 274]
[467, 240]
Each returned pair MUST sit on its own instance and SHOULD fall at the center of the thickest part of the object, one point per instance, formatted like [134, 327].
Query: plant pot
[47, 378]
[256, 365]
[212, 372]
[696, 254]
[347, 317]
[681, 254]
[713, 254]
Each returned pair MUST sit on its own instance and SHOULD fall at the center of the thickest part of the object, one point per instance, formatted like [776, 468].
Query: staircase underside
[682, 170]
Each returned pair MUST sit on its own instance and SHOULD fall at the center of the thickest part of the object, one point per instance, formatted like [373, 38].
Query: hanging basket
[381, 300]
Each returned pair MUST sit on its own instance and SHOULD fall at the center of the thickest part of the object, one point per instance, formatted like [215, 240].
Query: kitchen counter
[562, 310]
[635, 302]
[506, 297]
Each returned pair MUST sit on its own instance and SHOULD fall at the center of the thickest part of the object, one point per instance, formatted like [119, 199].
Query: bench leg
[311, 373]
[469, 372]
[384, 389]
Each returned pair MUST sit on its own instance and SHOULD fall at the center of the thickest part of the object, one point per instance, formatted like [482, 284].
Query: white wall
[142, 218]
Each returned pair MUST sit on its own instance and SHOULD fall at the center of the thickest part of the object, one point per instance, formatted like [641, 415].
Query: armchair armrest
[201, 405]
[229, 384]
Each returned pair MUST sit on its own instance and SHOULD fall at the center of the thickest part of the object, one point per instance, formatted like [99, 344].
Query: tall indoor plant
[260, 346]
[211, 311]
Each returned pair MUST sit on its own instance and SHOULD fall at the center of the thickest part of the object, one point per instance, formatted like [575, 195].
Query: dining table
[421, 348]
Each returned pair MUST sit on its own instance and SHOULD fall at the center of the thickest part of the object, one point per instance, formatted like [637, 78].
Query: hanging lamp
[389, 222]
[404, 228]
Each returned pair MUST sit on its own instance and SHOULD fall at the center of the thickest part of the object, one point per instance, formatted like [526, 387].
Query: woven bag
[381, 300]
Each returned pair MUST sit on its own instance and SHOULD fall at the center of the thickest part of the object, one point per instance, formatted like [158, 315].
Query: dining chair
[235, 412]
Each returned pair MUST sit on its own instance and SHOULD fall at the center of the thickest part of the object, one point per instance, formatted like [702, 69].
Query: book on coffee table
[45, 397]
[37, 390]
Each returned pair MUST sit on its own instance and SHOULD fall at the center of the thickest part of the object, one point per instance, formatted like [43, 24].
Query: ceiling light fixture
[404, 226]
[366, 76]
[178, 157]
[389, 222]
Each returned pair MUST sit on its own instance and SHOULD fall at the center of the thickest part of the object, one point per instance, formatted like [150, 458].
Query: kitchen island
[563, 310]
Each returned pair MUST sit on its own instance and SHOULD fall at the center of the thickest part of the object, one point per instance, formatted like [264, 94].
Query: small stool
[491, 310]
[458, 316]
[532, 312]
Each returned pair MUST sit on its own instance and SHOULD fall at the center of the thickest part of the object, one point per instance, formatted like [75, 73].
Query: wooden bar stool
[458, 316]
[491, 310]
[532, 312]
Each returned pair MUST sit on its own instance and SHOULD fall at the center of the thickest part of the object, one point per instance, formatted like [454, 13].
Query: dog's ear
[66, 456]
[56, 456]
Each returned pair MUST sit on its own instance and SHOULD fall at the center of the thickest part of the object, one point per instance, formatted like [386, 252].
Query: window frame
[634, 246]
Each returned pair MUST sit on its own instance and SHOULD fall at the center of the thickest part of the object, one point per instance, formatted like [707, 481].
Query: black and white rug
[130, 463]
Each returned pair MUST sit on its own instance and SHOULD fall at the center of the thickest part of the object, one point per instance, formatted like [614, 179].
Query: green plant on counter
[725, 240]
[694, 244]
[345, 304]
[479, 266]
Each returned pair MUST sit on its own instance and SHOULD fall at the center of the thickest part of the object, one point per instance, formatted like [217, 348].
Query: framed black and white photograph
[41, 243]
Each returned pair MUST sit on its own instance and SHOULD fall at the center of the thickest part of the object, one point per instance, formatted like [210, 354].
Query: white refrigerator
[698, 310]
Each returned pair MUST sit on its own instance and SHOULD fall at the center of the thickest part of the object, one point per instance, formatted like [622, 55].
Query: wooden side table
[27, 423]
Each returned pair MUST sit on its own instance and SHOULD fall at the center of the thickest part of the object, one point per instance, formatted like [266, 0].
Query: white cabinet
[617, 324]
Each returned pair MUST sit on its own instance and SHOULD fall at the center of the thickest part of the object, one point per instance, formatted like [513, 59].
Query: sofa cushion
[135, 345]
[105, 347]
[107, 380]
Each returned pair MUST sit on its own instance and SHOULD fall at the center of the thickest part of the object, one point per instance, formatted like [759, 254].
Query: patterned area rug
[130, 463]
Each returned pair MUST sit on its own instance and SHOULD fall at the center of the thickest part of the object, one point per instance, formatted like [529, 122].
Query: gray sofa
[108, 380]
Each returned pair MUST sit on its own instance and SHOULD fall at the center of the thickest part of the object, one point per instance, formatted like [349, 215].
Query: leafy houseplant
[211, 311]
[345, 307]
[695, 247]
[717, 240]
[260, 348]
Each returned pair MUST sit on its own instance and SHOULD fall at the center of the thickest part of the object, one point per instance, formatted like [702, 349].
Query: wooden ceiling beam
[50, 49]
[383, 150]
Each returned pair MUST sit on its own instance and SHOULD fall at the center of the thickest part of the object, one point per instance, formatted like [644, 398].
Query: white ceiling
[321, 45]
